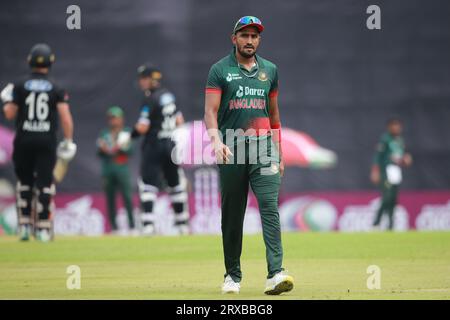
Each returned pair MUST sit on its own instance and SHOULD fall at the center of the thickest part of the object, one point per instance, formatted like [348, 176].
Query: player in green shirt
[241, 113]
[386, 172]
[114, 149]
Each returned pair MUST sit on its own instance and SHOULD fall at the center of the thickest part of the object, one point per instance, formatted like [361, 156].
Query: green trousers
[388, 202]
[117, 178]
[260, 170]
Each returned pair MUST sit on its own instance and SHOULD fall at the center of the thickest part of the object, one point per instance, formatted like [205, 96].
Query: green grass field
[325, 266]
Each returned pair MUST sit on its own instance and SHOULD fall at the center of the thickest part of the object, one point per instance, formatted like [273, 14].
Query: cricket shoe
[148, 230]
[24, 232]
[278, 284]
[44, 235]
[229, 286]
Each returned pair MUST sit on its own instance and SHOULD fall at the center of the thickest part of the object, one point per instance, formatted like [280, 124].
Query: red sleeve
[273, 93]
[213, 90]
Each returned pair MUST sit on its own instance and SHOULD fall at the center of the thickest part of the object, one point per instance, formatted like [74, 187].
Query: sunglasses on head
[249, 19]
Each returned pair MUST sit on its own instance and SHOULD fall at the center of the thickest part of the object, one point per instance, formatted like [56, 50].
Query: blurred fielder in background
[158, 119]
[35, 103]
[114, 149]
[241, 94]
[386, 171]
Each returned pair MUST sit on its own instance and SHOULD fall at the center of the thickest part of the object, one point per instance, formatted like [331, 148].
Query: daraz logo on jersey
[249, 92]
[240, 92]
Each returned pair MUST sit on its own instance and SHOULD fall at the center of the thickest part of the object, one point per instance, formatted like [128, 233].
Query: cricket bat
[60, 170]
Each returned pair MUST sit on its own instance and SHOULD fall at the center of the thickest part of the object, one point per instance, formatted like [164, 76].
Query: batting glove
[66, 150]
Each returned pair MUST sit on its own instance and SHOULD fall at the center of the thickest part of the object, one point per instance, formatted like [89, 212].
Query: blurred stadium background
[339, 83]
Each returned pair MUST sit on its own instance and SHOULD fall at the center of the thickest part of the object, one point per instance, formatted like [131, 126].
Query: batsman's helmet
[41, 56]
[148, 70]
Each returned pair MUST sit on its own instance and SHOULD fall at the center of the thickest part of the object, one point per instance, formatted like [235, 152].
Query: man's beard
[245, 54]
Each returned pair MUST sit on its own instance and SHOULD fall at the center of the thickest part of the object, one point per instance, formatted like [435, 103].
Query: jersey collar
[233, 61]
[39, 74]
